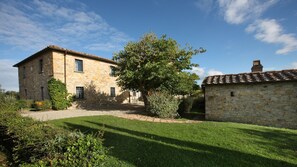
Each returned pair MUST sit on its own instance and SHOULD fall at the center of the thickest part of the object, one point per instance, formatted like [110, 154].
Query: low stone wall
[271, 104]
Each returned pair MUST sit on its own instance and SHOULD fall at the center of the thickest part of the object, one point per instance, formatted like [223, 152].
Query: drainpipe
[65, 52]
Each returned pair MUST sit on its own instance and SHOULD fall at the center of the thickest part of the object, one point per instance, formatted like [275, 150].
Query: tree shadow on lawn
[285, 140]
[144, 149]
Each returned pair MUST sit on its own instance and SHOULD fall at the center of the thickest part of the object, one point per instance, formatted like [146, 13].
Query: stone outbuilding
[83, 74]
[262, 98]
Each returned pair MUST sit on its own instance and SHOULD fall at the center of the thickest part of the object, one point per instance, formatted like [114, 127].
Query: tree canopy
[154, 63]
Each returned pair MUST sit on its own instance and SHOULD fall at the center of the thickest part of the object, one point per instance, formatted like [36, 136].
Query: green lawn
[139, 143]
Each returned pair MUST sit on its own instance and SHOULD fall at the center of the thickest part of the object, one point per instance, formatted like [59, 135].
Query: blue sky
[234, 32]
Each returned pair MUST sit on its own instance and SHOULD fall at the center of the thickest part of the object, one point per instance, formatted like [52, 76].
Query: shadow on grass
[144, 149]
[275, 138]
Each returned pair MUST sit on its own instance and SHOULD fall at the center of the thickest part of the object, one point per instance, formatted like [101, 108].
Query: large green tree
[154, 63]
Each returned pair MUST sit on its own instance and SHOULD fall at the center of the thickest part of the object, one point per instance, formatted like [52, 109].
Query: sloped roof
[253, 77]
[63, 50]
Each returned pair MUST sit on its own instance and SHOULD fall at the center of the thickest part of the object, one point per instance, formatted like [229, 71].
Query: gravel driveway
[51, 115]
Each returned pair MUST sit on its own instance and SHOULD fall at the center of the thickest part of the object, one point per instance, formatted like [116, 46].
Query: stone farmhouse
[79, 71]
[263, 98]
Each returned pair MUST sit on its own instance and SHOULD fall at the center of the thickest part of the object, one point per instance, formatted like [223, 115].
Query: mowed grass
[139, 143]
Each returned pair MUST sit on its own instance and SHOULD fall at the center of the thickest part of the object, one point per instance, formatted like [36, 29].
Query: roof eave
[59, 49]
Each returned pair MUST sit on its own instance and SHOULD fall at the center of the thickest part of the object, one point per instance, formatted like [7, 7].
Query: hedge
[34, 143]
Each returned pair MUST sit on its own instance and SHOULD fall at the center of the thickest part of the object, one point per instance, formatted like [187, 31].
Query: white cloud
[239, 11]
[212, 72]
[102, 47]
[9, 75]
[270, 31]
[33, 25]
[204, 5]
[294, 65]
[199, 71]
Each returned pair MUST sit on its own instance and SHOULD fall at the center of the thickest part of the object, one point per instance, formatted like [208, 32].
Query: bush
[199, 104]
[22, 104]
[77, 150]
[163, 105]
[58, 94]
[42, 105]
[186, 105]
[34, 143]
[8, 103]
[24, 137]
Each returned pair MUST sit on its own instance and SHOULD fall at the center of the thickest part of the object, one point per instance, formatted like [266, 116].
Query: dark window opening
[24, 72]
[78, 65]
[40, 66]
[112, 71]
[42, 93]
[134, 93]
[79, 92]
[232, 94]
[26, 93]
[112, 92]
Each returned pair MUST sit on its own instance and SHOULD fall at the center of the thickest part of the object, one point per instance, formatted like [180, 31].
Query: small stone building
[80, 72]
[262, 98]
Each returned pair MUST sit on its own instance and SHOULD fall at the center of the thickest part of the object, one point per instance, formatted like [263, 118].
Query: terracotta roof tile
[257, 77]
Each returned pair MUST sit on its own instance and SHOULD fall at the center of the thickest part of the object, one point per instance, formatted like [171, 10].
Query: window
[78, 65]
[112, 92]
[112, 71]
[40, 66]
[232, 94]
[134, 93]
[26, 93]
[24, 72]
[79, 92]
[42, 93]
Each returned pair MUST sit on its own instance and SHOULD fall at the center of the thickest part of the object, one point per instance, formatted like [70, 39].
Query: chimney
[257, 66]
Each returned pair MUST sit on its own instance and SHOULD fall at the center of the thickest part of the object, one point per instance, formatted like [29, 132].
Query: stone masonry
[272, 104]
[31, 79]
[59, 63]
[94, 72]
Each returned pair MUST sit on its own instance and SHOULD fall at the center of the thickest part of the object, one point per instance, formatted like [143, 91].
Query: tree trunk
[145, 100]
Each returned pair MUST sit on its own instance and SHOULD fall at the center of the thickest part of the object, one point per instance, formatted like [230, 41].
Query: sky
[234, 32]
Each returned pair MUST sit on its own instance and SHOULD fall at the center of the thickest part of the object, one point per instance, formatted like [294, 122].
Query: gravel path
[52, 115]
[127, 114]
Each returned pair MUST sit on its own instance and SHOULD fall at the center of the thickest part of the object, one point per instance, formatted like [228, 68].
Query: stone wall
[95, 78]
[95, 75]
[272, 104]
[34, 79]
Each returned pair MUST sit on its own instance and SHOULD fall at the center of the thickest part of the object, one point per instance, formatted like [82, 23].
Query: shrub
[34, 143]
[199, 104]
[42, 105]
[8, 103]
[22, 104]
[77, 150]
[186, 105]
[58, 94]
[163, 105]
[24, 137]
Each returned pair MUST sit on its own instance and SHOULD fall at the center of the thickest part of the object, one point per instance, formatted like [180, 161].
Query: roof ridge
[292, 69]
[252, 77]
